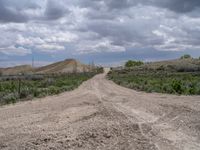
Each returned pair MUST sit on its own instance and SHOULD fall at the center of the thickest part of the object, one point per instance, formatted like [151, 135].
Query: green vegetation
[132, 63]
[99, 70]
[161, 77]
[13, 89]
[186, 56]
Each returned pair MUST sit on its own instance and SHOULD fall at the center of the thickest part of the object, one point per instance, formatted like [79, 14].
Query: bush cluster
[39, 87]
[186, 56]
[132, 63]
[187, 83]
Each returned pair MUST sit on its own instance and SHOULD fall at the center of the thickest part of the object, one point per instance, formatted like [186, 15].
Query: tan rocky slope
[16, 70]
[66, 66]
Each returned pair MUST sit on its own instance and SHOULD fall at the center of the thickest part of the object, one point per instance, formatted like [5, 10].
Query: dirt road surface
[101, 115]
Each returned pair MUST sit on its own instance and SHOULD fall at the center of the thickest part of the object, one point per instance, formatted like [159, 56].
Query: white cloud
[50, 48]
[99, 46]
[62, 37]
[29, 41]
[12, 50]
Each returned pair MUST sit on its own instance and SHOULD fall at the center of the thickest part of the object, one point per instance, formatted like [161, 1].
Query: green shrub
[177, 86]
[24, 93]
[132, 63]
[1, 88]
[161, 68]
[36, 92]
[67, 88]
[10, 98]
[186, 56]
[41, 85]
[192, 90]
[99, 70]
[54, 90]
[187, 83]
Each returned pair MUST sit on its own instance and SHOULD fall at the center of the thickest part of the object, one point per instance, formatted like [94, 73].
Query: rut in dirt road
[102, 115]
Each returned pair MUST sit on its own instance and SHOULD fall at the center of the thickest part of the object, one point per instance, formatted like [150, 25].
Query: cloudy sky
[104, 31]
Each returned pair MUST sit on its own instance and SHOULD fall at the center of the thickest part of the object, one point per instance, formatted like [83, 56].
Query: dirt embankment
[102, 115]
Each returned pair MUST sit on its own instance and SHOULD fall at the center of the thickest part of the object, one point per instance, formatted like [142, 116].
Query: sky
[107, 32]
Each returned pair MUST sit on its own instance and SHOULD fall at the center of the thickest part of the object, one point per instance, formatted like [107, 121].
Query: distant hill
[182, 65]
[66, 66]
[16, 70]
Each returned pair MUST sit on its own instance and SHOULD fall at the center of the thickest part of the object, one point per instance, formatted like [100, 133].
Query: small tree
[132, 63]
[186, 56]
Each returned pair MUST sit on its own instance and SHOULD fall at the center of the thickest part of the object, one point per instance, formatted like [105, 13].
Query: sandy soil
[102, 115]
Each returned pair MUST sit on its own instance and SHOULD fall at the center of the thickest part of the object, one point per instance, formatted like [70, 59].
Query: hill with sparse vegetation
[16, 70]
[179, 65]
[66, 66]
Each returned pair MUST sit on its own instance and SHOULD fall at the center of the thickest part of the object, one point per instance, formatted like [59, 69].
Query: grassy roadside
[14, 90]
[161, 77]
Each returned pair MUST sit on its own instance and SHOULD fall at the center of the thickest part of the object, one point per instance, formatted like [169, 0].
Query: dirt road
[102, 115]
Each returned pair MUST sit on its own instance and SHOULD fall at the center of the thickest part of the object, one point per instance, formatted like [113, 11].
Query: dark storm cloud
[10, 15]
[55, 10]
[180, 6]
[118, 4]
[22, 4]
[15, 11]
